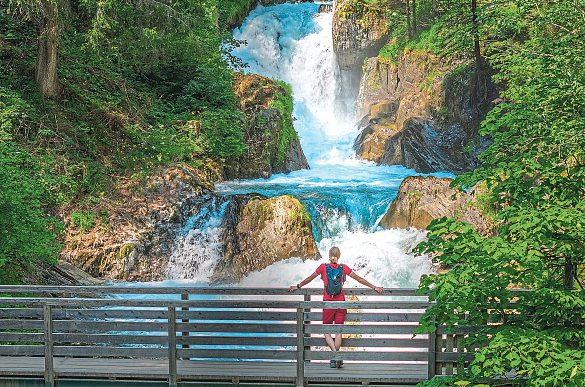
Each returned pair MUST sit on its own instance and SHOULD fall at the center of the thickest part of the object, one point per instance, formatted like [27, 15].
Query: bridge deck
[152, 369]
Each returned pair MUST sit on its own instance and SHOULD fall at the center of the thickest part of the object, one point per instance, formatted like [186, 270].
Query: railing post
[307, 297]
[300, 347]
[172, 337]
[48, 331]
[432, 353]
[185, 297]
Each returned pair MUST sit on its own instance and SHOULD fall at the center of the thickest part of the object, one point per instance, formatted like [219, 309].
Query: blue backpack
[335, 279]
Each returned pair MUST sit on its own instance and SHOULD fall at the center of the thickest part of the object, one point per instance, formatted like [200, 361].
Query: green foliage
[85, 220]
[535, 181]
[283, 102]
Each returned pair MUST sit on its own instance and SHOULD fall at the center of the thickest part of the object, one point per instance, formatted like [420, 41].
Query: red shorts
[331, 315]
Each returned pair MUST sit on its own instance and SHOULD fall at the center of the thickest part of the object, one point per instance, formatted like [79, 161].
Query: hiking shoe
[333, 364]
[339, 363]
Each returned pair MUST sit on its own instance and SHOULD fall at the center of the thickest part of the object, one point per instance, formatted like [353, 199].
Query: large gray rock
[420, 200]
[418, 112]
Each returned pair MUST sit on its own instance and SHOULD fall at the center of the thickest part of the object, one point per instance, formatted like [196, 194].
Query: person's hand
[379, 289]
[292, 288]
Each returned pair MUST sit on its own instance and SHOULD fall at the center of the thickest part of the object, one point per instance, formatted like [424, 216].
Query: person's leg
[339, 320]
[328, 317]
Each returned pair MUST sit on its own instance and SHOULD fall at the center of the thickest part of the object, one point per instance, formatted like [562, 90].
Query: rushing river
[346, 197]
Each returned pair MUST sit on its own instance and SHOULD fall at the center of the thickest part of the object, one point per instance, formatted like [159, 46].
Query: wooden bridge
[214, 336]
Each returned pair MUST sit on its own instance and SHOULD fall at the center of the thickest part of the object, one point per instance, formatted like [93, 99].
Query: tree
[534, 174]
[48, 15]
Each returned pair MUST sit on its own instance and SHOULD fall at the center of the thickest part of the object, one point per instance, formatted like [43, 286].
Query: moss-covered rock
[265, 231]
[420, 200]
[272, 143]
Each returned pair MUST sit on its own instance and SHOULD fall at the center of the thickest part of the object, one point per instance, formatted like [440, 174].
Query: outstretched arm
[303, 282]
[364, 281]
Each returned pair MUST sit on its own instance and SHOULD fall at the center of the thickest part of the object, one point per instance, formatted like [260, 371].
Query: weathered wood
[438, 351]
[368, 356]
[22, 350]
[48, 332]
[100, 351]
[184, 297]
[449, 350]
[459, 346]
[238, 341]
[236, 354]
[172, 346]
[364, 329]
[432, 354]
[300, 381]
[374, 342]
[89, 290]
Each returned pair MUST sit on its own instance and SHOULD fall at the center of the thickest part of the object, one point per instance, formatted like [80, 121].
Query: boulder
[420, 200]
[272, 144]
[264, 231]
[418, 112]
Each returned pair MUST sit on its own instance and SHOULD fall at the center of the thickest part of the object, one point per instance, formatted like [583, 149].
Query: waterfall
[346, 197]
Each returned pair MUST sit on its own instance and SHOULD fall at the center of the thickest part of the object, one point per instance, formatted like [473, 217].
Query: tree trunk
[408, 19]
[414, 16]
[570, 274]
[478, 60]
[46, 68]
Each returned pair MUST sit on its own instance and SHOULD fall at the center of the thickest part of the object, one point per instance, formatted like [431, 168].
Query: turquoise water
[346, 197]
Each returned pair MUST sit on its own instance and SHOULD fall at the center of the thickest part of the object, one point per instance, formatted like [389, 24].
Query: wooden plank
[238, 341]
[237, 327]
[438, 351]
[367, 355]
[432, 355]
[43, 289]
[19, 337]
[22, 324]
[115, 326]
[364, 329]
[459, 345]
[452, 357]
[100, 351]
[236, 354]
[449, 349]
[22, 350]
[365, 304]
[112, 339]
[172, 346]
[48, 332]
[374, 342]
[300, 380]
[36, 313]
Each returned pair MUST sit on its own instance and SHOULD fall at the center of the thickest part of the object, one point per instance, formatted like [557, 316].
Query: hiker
[333, 276]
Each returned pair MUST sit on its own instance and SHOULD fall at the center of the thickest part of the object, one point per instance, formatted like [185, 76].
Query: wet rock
[136, 229]
[418, 112]
[359, 31]
[263, 231]
[272, 144]
[420, 200]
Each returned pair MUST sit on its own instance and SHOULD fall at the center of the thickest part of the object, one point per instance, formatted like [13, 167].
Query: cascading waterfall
[346, 197]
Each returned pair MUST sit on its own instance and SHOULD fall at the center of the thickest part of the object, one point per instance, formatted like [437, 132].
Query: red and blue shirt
[322, 270]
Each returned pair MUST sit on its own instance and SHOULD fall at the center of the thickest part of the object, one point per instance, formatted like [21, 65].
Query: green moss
[283, 102]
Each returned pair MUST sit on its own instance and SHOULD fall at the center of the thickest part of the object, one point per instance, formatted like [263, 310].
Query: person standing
[333, 275]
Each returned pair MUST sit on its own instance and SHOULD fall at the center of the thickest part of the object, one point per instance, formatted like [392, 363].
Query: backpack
[335, 279]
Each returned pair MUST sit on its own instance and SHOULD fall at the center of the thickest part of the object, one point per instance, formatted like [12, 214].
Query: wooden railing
[190, 325]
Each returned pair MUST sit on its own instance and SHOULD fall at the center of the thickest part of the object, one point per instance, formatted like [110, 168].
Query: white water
[345, 196]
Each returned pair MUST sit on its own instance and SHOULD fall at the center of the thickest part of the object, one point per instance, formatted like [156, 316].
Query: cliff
[359, 31]
[272, 144]
[418, 112]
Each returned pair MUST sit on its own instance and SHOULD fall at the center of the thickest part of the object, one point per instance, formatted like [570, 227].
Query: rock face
[264, 231]
[419, 113]
[273, 145]
[135, 230]
[423, 199]
[359, 32]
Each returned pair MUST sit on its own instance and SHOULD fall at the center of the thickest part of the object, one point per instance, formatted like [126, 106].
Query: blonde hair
[334, 252]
